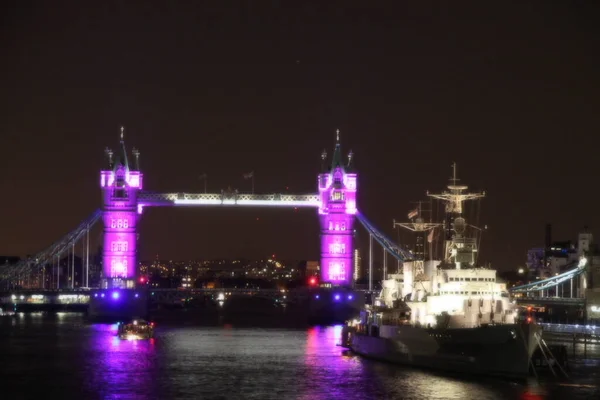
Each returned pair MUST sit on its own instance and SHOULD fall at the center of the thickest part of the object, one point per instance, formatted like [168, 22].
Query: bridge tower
[120, 183]
[337, 212]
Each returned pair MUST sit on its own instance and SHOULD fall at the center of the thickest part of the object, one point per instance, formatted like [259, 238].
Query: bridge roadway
[543, 301]
[155, 295]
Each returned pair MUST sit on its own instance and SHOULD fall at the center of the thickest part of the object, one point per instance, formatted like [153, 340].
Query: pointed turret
[337, 159]
[350, 166]
[121, 157]
[109, 157]
[324, 161]
[136, 155]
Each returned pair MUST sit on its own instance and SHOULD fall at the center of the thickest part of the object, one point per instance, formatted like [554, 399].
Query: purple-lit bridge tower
[124, 202]
[337, 212]
[120, 184]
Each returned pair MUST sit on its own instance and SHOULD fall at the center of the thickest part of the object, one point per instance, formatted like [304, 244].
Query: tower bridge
[125, 200]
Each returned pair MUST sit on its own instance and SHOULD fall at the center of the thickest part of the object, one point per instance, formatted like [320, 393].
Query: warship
[446, 314]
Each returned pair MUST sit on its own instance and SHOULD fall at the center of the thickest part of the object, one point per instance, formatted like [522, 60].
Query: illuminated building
[120, 185]
[337, 212]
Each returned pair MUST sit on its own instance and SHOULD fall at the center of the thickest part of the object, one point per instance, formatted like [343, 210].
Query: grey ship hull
[501, 350]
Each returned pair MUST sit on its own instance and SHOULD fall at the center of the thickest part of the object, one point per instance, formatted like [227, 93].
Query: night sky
[511, 93]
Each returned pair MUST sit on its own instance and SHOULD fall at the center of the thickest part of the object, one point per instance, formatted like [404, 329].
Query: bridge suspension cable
[392, 248]
[45, 256]
[580, 267]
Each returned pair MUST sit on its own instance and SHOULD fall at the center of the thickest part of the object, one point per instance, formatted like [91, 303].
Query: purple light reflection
[120, 366]
[326, 365]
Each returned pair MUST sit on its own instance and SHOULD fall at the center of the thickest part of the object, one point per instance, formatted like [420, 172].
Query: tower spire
[122, 155]
[336, 159]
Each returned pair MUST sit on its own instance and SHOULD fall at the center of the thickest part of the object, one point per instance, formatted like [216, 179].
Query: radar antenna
[458, 248]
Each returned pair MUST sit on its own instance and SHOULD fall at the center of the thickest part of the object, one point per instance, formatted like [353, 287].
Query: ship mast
[459, 249]
[424, 231]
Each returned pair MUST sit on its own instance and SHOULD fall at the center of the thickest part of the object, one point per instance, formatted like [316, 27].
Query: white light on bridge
[232, 202]
[200, 202]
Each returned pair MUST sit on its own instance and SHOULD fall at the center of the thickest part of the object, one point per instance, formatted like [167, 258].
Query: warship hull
[499, 350]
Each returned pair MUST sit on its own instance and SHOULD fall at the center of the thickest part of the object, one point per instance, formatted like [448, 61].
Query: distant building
[312, 268]
[535, 262]
[557, 257]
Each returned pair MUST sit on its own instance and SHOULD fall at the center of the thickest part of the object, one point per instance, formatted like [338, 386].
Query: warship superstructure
[450, 313]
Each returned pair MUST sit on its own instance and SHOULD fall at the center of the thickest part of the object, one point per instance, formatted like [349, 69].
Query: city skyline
[255, 90]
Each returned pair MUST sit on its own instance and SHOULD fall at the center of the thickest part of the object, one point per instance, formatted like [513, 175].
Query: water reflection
[65, 356]
[332, 375]
[123, 369]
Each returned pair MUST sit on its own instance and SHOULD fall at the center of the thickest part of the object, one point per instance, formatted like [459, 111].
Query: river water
[62, 356]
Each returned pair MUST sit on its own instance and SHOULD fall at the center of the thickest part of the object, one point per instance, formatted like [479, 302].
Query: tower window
[337, 248]
[337, 195]
[119, 223]
[337, 271]
[118, 268]
[118, 246]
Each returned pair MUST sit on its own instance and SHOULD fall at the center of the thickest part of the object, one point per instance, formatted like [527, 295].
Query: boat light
[115, 295]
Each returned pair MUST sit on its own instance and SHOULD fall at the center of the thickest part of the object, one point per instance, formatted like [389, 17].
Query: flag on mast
[430, 236]
[413, 213]
[249, 175]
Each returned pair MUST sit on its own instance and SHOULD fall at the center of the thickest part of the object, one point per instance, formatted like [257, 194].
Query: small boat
[138, 329]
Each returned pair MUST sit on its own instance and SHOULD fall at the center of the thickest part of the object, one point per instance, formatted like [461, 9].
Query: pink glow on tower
[337, 195]
[120, 186]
